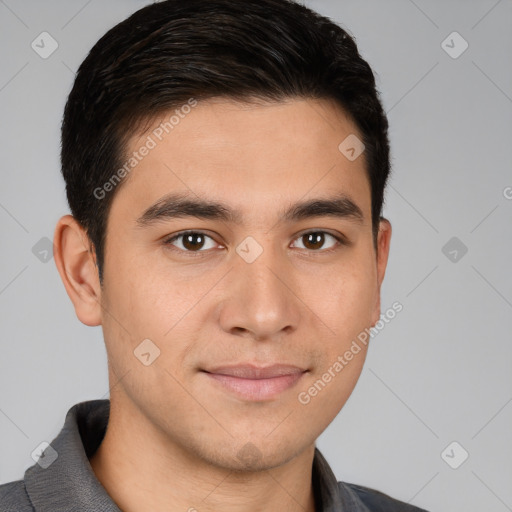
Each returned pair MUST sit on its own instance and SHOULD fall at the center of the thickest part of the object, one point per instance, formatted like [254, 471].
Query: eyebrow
[178, 206]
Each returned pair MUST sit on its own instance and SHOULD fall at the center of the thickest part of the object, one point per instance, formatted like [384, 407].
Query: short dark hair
[171, 51]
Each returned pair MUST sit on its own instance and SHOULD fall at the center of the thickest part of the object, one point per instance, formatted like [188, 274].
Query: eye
[191, 241]
[197, 241]
[314, 240]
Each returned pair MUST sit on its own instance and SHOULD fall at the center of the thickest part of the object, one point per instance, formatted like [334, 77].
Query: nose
[260, 300]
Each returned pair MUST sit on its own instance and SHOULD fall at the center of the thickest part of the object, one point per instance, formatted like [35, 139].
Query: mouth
[253, 383]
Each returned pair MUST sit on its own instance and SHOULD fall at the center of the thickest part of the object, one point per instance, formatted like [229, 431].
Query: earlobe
[76, 265]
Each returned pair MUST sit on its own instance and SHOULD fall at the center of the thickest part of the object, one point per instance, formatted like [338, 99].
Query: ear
[383, 244]
[76, 263]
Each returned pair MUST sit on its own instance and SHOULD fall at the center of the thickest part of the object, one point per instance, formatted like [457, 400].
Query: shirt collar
[70, 484]
[331, 495]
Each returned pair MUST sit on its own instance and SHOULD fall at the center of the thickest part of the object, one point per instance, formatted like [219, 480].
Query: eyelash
[168, 242]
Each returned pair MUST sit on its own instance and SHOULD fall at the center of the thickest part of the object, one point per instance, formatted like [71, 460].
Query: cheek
[328, 388]
[138, 292]
[345, 306]
[151, 304]
[343, 297]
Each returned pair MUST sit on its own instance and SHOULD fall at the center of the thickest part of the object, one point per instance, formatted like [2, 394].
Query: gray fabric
[69, 484]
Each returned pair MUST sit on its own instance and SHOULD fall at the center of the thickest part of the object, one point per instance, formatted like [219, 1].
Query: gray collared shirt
[68, 483]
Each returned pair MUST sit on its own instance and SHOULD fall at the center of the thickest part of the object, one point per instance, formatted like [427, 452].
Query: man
[225, 164]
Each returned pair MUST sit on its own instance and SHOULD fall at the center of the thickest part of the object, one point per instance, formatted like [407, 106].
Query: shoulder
[14, 497]
[377, 501]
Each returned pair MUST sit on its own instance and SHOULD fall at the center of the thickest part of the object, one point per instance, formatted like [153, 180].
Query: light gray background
[439, 372]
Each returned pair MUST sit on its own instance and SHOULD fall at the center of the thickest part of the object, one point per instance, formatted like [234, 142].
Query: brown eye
[191, 241]
[315, 240]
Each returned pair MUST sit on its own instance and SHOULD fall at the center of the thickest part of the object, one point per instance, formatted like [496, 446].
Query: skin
[174, 436]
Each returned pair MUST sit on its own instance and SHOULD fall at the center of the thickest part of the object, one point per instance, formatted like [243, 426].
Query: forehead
[247, 154]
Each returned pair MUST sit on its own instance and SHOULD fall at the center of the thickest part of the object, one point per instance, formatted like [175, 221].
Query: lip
[252, 371]
[255, 383]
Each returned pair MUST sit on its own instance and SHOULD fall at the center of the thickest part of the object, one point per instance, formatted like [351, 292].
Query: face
[262, 277]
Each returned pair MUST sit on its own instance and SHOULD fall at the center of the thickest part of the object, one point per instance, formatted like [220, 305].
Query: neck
[142, 469]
